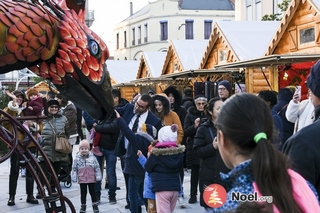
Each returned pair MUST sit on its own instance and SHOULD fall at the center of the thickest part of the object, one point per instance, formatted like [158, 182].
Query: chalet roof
[206, 5]
[43, 84]
[315, 6]
[154, 62]
[189, 52]
[248, 39]
[269, 60]
[122, 71]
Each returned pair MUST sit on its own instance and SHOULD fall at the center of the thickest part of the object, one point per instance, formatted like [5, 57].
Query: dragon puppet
[52, 40]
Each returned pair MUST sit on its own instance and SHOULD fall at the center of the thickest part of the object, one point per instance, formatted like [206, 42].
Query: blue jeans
[111, 160]
[135, 193]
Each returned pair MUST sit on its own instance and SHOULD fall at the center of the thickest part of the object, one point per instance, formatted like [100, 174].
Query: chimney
[131, 8]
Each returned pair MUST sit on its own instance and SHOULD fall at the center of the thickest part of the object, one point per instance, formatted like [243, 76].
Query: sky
[108, 13]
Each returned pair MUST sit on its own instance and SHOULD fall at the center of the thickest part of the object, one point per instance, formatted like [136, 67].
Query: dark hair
[209, 106]
[51, 95]
[20, 93]
[134, 94]
[242, 116]
[116, 93]
[165, 103]
[64, 100]
[146, 98]
[269, 96]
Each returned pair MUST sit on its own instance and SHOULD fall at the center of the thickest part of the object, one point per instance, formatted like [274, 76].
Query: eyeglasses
[201, 103]
[54, 107]
[222, 89]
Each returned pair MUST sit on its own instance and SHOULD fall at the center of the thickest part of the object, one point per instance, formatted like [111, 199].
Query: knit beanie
[84, 143]
[226, 84]
[187, 91]
[31, 91]
[151, 130]
[53, 102]
[151, 92]
[313, 80]
[168, 134]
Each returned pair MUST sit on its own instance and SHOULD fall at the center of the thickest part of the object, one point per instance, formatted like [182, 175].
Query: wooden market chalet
[253, 55]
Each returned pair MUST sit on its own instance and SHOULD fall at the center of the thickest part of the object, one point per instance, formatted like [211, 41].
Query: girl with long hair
[244, 131]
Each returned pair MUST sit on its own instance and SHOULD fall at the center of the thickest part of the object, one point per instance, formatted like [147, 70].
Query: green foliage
[277, 17]
[271, 17]
[37, 80]
[4, 99]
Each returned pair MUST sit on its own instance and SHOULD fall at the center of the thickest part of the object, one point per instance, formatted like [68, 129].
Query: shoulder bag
[62, 144]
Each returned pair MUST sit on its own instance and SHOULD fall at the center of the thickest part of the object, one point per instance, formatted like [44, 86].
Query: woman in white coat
[300, 113]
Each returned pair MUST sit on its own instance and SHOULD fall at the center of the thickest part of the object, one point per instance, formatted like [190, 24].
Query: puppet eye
[93, 47]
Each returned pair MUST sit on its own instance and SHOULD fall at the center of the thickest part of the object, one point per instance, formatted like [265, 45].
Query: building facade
[254, 10]
[150, 28]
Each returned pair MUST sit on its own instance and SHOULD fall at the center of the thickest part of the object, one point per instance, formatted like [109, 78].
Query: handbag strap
[54, 132]
[211, 133]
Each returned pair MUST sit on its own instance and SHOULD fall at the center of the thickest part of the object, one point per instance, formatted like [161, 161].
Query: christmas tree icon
[214, 197]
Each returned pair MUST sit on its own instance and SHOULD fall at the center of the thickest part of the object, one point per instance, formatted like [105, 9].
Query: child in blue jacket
[147, 186]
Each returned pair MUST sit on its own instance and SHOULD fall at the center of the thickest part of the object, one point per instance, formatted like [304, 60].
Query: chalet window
[145, 33]
[307, 35]
[117, 41]
[249, 10]
[125, 39]
[163, 30]
[207, 28]
[189, 29]
[139, 34]
[133, 36]
[222, 55]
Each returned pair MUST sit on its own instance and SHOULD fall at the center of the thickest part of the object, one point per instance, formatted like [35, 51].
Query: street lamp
[27, 74]
[181, 25]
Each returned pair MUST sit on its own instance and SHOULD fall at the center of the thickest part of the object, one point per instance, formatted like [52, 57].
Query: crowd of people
[245, 143]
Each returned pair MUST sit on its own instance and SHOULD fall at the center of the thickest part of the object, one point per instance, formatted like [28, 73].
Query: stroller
[65, 174]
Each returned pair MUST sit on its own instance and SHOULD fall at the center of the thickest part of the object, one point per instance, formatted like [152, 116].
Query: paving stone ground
[73, 193]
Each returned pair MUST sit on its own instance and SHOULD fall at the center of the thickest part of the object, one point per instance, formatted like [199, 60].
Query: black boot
[83, 208]
[193, 199]
[11, 201]
[32, 200]
[95, 208]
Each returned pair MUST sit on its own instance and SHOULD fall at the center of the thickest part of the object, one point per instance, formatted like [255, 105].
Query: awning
[271, 60]
[194, 73]
[150, 79]
[123, 85]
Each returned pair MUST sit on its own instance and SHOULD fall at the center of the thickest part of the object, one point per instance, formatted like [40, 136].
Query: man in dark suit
[135, 115]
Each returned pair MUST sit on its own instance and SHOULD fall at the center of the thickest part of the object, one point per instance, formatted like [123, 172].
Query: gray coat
[60, 125]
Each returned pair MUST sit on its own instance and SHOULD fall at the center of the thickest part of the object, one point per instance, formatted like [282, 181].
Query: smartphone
[298, 91]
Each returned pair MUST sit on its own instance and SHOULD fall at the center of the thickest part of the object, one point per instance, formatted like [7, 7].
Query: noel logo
[214, 195]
